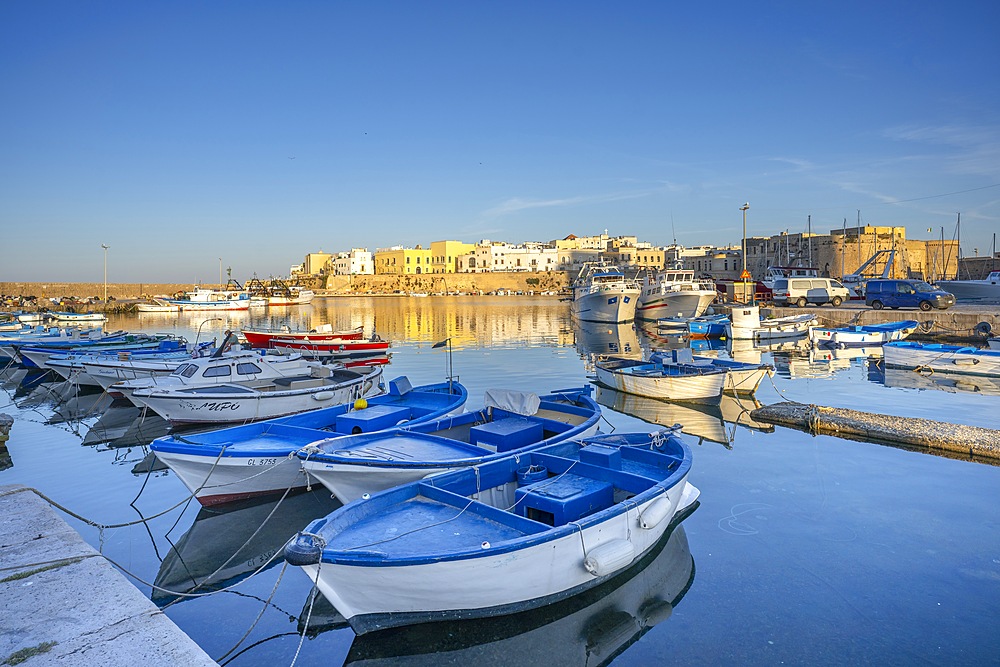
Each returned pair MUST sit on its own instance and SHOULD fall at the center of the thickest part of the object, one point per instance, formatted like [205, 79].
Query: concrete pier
[64, 604]
[972, 441]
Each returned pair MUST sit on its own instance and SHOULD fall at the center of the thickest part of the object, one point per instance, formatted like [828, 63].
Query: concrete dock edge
[973, 441]
[64, 604]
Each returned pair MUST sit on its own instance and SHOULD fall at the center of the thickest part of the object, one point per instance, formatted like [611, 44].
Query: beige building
[315, 263]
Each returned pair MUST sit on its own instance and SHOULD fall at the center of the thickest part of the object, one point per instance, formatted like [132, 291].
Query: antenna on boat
[451, 366]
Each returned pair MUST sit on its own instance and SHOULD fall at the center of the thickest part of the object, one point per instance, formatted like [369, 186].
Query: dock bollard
[6, 421]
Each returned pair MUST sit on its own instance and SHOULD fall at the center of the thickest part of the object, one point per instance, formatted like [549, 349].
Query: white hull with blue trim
[257, 459]
[502, 537]
[512, 422]
[863, 335]
[938, 357]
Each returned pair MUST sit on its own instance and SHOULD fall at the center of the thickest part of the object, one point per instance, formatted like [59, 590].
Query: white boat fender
[655, 512]
[609, 557]
[323, 396]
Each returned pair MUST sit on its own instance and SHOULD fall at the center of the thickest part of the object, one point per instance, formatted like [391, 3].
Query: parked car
[803, 291]
[906, 294]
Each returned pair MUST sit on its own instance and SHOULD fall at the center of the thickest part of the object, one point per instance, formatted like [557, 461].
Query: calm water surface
[804, 549]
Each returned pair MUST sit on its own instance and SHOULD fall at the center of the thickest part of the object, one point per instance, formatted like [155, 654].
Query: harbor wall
[58, 290]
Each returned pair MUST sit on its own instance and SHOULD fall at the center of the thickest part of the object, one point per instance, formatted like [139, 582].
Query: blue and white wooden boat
[742, 378]
[708, 326]
[254, 459]
[43, 335]
[655, 379]
[507, 535]
[938, 357]
[512, 422]
[862, 335]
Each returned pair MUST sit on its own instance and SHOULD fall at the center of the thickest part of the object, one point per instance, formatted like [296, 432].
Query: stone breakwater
[56, 290]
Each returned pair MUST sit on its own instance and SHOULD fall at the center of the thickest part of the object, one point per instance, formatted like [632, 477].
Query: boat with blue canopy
[862, 335]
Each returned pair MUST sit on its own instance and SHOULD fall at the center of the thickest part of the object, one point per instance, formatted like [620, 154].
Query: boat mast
[958, 234]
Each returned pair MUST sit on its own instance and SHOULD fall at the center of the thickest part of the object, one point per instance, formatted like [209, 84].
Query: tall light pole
[744, 208]
[220, 273]
[105, 246]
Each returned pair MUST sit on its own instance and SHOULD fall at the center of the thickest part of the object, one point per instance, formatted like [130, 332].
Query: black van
[906, 294]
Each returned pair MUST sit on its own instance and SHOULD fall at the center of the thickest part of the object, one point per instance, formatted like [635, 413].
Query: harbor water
[804, 549]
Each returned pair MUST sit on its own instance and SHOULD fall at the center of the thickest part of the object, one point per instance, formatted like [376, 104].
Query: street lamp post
[744, 209]
[105, 246]
[220, 273]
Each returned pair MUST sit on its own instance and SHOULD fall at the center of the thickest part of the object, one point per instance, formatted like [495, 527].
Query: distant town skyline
[181, 133]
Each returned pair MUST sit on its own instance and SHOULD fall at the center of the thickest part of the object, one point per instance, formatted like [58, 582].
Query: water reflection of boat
[707, 422]
[904, 378]
[80, 406]
[591, 628]
[598, 338]
[112, 424]
[223, 546]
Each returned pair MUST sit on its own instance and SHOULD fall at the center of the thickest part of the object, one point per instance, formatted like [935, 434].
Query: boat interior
[510, 499]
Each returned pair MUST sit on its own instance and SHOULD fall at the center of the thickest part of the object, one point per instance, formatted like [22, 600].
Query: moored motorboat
[254, 459]
[602, 293]
[261, 338]
[76, 318]
[510, 422]
[939, 357]
[503, 536]
[708, 326]
[673, 293]
[333, 348]
[862, 335]
[986, 290]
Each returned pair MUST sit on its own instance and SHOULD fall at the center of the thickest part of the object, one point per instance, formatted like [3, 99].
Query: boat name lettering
[218, 406]
[262, 462]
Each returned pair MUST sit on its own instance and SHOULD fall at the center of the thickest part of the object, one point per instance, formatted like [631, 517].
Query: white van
[803, 291]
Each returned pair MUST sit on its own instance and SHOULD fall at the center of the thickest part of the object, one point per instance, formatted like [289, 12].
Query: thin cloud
[516, 204]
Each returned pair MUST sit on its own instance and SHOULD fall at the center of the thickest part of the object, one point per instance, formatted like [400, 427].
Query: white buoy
[656, 512]
[609, 557]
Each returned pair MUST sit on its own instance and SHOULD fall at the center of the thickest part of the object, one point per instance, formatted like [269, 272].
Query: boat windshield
[923, 287]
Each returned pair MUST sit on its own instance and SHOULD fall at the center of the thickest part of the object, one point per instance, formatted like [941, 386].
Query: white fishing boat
[941, 358]
[76, 318]
[671, 382]
[987, 289]
[107, 370]
[675, 294]
[862, 335]
[202, 299]
[602, 293]
[747, 324]
[157, 305]
[516, 533]
[224, 402]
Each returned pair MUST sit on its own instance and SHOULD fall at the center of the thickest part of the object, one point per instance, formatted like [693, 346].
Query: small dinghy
[255, 459]
[746, 324]
[670, 382]
[862, 336]
[511, 422]
[503, 536]
[742, 378]
[939, 357]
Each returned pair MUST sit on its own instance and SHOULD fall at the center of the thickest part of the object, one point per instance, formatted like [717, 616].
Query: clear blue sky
[166, 129]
